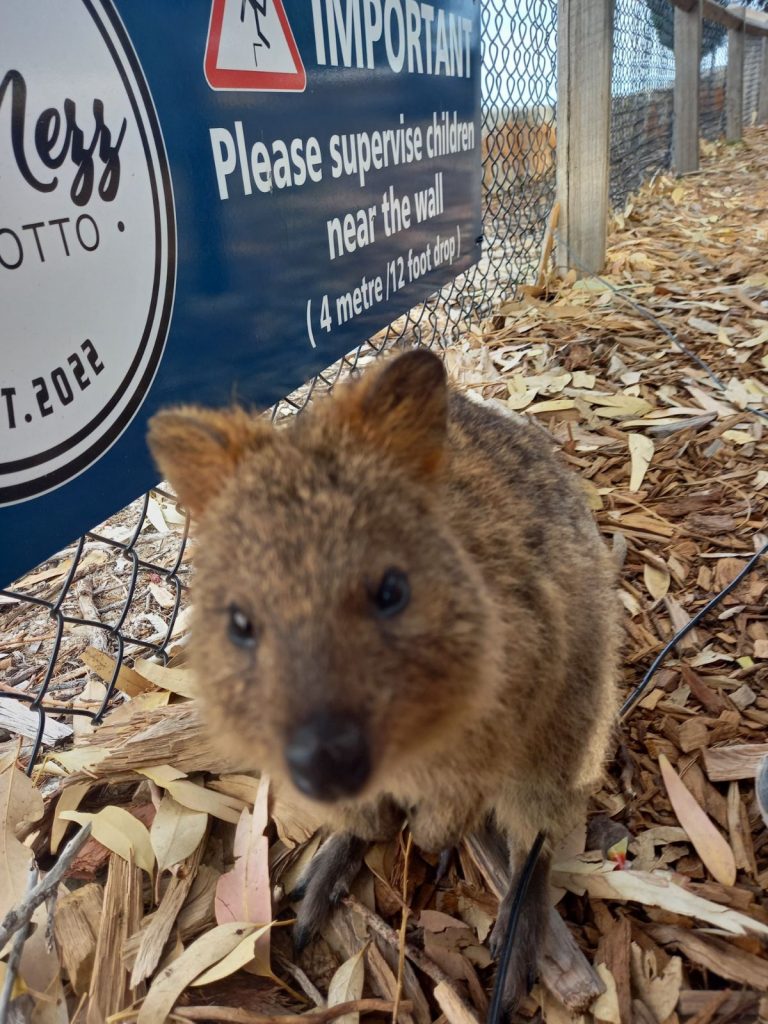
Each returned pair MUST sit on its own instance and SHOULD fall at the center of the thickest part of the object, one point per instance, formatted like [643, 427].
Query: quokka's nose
[329, 757]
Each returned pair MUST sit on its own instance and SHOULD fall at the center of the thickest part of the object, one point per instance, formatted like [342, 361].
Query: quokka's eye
[240, 628]
[392, 594]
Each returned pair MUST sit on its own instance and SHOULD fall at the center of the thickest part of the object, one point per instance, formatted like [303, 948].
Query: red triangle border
[266, 81]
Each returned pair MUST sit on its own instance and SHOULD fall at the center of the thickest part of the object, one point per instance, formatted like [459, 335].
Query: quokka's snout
[328, 756]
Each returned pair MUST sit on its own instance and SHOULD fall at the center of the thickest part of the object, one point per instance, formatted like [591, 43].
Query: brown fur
[493, 691]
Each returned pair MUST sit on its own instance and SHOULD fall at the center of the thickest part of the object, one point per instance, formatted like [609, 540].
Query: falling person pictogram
[259, 8]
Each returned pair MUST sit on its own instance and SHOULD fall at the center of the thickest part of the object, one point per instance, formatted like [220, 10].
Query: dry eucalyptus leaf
[176, 832]
[212, 947]
[20, 802]
[347, 983]
[120, 832]
[68, 801]
[193, 796]
[249, 953]
[180, 681]
[641, 449]
[244, 893]
[708, 842]
[657, 581]
[155, 516]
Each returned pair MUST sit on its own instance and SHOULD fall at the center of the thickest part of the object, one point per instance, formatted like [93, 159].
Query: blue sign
[207, 201]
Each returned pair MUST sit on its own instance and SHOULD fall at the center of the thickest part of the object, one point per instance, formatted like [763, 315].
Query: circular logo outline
[146, 117]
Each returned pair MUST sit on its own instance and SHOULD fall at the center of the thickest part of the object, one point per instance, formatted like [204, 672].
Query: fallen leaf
[641, 449]
[156, 517]
[178, 680]
[20, 802]
[243, 894]
[128, 681]
[68, 801]
[120, 832]
[168, 985]
[78, 759]
[347, 983]
[656, 580]
[193, 796]
[162, 595]
[176, 832]
[241, 956]
[707, 841]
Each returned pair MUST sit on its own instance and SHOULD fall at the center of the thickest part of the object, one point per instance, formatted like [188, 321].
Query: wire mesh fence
[712, 80]
[753, 63]
[642, 92]
[120, 592]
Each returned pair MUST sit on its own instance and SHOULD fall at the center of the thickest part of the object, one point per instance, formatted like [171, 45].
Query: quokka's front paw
[325, 883]
[529, 937]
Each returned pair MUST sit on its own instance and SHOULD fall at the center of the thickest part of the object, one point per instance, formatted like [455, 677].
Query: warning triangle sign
[251, 46]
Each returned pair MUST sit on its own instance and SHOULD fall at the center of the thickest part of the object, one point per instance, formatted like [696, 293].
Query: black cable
[642, 686]
[494, 1013]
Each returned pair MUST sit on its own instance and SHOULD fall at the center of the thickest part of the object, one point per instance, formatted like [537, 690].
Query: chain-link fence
[753, 64]
[712, 74]
[642, 92]
[121, 589]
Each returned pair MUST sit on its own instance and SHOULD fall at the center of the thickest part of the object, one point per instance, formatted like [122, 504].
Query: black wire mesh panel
[642, 92]
[121, 589]
[753, 62]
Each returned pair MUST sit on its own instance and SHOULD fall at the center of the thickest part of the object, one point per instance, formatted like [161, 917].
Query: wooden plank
[734, 89]
[18, 719]
[726, 764]
[584, 53]
[734, 16]
[696, 1001]
[712, 11]
[755, 22]
[762, 103]
[685, 141]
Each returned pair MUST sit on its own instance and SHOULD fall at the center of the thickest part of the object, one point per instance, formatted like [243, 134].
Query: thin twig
[390, 936]
[22, 914]
[301, 979]
[403, 925]
[14, 959]
[233, 1016]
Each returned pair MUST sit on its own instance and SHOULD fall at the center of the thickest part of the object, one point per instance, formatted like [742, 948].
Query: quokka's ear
[198, 449]
[402, 408]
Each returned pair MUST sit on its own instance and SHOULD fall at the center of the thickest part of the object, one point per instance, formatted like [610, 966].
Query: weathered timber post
[762, 102]
[584, 54]
[734, 87]
[685, 141]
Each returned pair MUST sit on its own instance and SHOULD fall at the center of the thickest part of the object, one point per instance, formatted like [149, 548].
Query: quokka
[404, 611]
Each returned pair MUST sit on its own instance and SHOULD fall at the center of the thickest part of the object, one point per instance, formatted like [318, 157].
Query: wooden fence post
[584, 54]
[734, 88]
[685, 143]
[762, 102]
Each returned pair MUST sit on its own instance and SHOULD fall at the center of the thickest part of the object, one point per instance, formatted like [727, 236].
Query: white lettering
[224, 158]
